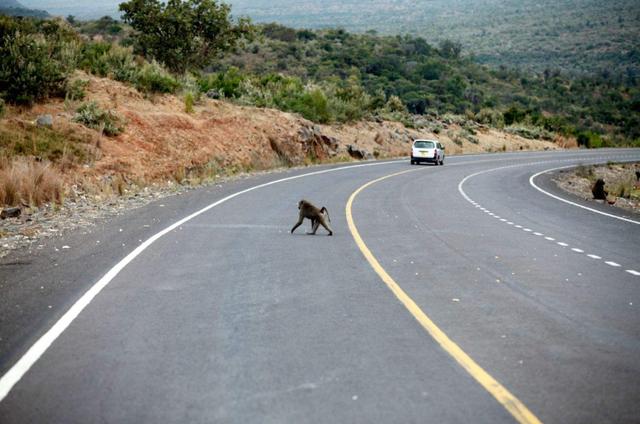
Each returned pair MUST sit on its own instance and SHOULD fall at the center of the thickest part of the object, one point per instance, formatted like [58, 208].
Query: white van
[427, 151]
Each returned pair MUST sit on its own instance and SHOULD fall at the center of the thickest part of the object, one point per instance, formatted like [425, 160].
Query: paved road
[229, 318]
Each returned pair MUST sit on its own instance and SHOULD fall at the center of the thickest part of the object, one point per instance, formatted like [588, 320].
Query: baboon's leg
[300, 219]
[314, 227]
[324, 224]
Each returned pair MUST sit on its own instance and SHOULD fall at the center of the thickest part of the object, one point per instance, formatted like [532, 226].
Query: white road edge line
[22, 366]
[610, 263]
[570, 202]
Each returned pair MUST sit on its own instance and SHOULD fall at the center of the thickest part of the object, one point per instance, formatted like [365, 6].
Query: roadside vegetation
[195, 48]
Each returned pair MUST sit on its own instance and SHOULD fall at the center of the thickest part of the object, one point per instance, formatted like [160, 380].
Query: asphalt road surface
[533, 303]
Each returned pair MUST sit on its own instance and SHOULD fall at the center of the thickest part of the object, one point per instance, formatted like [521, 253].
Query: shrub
[29, 181]
[228, 83]
[394, 104]
[490, 117]
[153, 78]
[188, 102]
[93, 58]
[75, 90]
[90, 115]
[37, 58]
[2, 108]
[532, 133]
[105, 59]
[590, 140]
[313, 105]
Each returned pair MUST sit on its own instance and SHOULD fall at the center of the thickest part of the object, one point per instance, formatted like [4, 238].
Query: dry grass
[29, 182]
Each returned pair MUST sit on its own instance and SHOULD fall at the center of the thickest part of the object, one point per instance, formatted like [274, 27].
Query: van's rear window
[425, 144]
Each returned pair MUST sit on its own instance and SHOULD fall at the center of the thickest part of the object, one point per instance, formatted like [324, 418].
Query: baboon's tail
[326, 211]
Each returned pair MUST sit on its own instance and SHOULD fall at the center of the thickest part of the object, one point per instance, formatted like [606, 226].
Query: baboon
[317, 216]
[599, 193]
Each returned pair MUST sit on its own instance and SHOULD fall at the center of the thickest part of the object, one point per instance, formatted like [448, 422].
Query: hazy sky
[82, 9]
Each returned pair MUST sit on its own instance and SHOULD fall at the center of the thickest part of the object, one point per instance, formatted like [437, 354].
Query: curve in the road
[512, 404]
[31, 356]
[533, 232]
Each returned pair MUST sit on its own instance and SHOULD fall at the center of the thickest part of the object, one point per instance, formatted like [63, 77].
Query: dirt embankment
[622, 183]
[163, 146]
[162, 142]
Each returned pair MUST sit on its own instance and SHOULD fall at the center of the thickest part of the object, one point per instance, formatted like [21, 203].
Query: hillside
[590, 36]
[161, 142]
[14, 8]
[586, 36]
[432, 80]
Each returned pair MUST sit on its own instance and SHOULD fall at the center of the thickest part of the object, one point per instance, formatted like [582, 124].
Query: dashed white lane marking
[536, 233]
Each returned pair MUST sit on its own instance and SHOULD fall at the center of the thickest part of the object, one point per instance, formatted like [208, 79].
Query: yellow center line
[512, 404]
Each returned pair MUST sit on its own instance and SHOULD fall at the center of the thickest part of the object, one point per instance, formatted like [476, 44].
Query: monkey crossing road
[475, 292]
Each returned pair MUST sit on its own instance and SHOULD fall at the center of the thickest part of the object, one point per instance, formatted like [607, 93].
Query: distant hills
[79, 8]
[13, 8]
[579, 36]
[590, 36]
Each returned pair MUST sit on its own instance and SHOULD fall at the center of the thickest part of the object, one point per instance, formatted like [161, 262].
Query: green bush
[90, 115]
[75, 90]
[532, 133]
[227, 84]
[590, 140]
[92, 58]
[153, 78]
[188, 102]
[110, 60]
[37, 58]
[490, 117]
[313, 105]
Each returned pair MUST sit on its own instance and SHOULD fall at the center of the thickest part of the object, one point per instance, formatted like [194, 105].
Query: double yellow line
[512, 404]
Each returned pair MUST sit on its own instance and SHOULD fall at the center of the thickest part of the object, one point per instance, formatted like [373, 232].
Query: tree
[184, 35]
[37, 57]
[450, 49]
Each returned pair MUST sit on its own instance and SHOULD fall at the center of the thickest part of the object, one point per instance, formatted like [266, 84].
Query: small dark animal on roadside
[10, 213]
[317, 217]
[599, 193]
